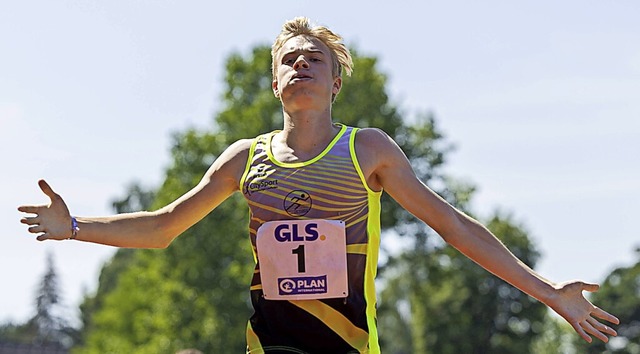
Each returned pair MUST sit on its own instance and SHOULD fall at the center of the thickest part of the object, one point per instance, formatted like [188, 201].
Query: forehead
[303, 44]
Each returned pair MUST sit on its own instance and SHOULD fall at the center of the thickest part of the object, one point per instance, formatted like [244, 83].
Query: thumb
[46, 189]
[590, 287]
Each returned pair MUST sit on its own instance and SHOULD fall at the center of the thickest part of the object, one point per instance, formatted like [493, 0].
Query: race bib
[303, 259]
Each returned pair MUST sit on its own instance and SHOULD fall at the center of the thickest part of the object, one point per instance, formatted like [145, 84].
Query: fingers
[603, 315]
[30, 220]
[601, 328]
[30, 209]
[47, 190]
[36, 229]
[591, 326]
[578, 328]
[47, 221]
[44, 236]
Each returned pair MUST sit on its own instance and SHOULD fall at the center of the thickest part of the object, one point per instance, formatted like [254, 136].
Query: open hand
[51, 221]
[583, 316]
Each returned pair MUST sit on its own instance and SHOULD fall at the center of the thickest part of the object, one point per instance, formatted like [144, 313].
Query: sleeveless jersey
[330, 186]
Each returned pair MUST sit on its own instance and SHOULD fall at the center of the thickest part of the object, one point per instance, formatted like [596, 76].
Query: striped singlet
[330, 186]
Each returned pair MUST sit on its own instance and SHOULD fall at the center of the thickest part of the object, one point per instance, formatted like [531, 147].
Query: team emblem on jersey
[257, 180]
[297, 203]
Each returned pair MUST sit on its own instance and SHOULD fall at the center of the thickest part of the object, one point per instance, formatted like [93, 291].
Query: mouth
[300, 77]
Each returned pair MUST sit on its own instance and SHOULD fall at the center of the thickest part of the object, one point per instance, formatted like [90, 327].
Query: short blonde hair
[340, 55]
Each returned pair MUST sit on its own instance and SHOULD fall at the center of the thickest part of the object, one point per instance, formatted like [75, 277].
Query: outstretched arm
[385, 166]
[142, 229]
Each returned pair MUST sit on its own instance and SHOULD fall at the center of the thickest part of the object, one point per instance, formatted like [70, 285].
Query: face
[304, 73]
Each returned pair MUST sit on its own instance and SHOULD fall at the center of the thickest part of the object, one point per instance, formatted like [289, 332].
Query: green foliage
[187, 295]
[556, 337]
[48, 327]
[451, 305]
[136, 198]
[619, 295]
[250, 106]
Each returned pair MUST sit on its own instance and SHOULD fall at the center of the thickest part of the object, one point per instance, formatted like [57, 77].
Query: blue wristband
[74, 228]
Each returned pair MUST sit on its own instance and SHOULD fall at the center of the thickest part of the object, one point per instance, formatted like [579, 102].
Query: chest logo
[297, 203]
[258, 180]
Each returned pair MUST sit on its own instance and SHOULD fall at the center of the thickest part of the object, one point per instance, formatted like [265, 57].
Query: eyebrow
[314, 50]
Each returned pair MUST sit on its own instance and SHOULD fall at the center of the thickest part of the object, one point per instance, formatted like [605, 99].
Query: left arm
[386, 167]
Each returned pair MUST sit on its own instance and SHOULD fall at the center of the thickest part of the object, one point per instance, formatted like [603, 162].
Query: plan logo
[302, 285]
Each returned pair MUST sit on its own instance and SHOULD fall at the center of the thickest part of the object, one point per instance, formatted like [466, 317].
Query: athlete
[314, 190]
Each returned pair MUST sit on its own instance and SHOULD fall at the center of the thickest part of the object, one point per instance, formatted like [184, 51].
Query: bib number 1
[300, 252]
[302, 259]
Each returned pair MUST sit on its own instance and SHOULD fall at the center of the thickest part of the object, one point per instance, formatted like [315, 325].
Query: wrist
[549, 294]
[74, 228]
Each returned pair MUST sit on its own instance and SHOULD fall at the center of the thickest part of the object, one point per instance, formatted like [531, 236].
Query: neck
[307, 128]
[304, 135]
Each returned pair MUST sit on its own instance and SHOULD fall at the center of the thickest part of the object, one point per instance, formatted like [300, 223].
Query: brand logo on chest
[258, 181]
[297, 203]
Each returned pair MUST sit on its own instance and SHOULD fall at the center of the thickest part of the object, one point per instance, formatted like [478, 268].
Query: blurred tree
[195, 293]
[136, 198]
[556, 337]
[49, 321]
[49, 326]
[439, 301]
[620, 295]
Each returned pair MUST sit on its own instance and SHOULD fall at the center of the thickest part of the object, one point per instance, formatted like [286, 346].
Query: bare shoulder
[371, 137]
[371, 142]
[376, 151]
[231, 163]
[374, 144]
[239, 149]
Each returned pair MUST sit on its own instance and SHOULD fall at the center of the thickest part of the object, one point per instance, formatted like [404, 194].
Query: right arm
[143, 229]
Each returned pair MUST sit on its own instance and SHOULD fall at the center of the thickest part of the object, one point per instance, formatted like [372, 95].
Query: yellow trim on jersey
[304, 163]
[355, 336]
[357, 248]
[371, 268]
[247, 167]
[253, 342]
[373, 246]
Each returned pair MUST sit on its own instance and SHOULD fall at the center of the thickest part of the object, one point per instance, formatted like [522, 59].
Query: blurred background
[526, 115]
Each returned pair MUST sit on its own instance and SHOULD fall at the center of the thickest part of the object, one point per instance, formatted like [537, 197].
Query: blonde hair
[340, 55]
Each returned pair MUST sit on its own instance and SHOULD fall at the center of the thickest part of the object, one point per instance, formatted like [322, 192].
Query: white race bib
[303, 259]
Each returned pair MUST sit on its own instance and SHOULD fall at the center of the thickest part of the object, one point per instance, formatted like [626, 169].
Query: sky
[540, 98]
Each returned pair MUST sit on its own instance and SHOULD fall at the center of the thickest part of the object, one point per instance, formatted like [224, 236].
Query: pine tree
[48, 329]
[48, 325]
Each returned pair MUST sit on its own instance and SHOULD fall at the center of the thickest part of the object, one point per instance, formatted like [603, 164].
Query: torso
[328, 186]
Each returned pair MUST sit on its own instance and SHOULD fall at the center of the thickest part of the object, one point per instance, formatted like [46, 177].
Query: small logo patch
[302, 285]
[297, 203]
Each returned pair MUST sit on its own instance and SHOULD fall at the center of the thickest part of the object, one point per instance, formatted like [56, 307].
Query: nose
[301, 62]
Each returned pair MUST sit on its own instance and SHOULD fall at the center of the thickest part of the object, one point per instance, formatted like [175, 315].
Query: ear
[274, 87]
[337, 85]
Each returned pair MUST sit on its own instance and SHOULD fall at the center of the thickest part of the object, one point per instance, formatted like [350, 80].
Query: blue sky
[541, 98]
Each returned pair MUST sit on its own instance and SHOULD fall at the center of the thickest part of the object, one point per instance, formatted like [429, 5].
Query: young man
[314, 193]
